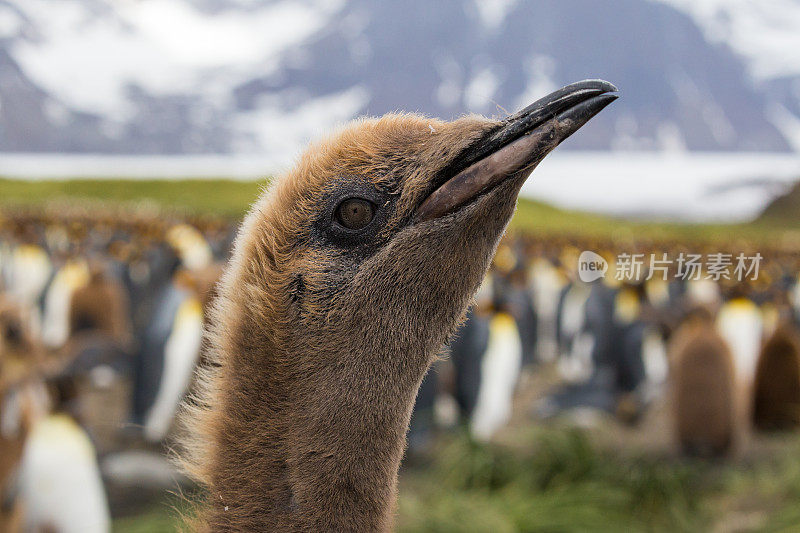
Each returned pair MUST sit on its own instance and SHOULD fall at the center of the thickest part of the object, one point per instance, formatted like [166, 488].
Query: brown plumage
[703, 389]
[21, 397]
[331, 311]
[14, 371]
[100, 336]
[21, 356]
[101, 306]
[776, 394]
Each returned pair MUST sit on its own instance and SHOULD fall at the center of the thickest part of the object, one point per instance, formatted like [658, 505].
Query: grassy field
[221, 197]
[561, 480]
[232, 198]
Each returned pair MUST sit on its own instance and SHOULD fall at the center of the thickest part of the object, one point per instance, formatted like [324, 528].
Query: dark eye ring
[355, 213]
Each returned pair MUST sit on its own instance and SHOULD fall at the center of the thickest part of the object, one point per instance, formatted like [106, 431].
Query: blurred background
[134, 134]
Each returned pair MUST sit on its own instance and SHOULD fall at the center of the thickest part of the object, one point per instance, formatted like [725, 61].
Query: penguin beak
[515, 146]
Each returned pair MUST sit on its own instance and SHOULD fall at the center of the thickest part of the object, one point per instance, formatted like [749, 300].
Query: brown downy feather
[318, 354]
[776, 394]
[703, 390]
[100, 336]
[21, 402]
[347, 276]
[101, 307]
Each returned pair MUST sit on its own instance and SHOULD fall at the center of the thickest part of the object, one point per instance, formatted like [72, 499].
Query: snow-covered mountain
[264, 76]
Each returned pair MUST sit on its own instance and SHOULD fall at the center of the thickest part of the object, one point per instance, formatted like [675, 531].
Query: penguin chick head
[379, 237]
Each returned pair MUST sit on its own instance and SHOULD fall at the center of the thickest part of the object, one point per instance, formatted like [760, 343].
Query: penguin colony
[101, 321]
[101, 317]
[669, 340]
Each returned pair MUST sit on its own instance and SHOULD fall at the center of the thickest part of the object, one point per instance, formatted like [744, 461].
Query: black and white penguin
[606, 367]
[28, 270]
[59, 483]
[69, 277]
[486, 353]
[662, 301]
[192, 248]
[466, 351]
[740, 323]
[512, 294]
[500, 369]
[575, 345]
[172, 350]
[547, 283]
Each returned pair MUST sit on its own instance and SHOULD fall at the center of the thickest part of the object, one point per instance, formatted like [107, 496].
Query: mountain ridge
[241, 76]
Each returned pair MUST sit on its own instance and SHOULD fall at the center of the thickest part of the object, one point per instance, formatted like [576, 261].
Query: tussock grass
[561, 479]
[559, 482]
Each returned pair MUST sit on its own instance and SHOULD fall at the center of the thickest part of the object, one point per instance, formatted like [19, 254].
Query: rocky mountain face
[219, 76]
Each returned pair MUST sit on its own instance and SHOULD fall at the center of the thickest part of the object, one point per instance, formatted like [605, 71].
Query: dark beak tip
[587, 109]
[523, 138]
[601, 85]
[573, 119]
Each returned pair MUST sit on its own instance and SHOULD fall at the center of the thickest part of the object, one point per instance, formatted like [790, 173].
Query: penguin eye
[355, 213]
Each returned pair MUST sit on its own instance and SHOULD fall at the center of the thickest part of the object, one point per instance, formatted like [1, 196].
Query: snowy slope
[765, 33]
[86, 54]
[265, 76]
[152, 75]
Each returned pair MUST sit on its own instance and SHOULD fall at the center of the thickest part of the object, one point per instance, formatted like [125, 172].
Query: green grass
[232, 198]
[220, 197]
[562, 480]
[559, 482]
[785, 209]
[157, 520]
[543, 218]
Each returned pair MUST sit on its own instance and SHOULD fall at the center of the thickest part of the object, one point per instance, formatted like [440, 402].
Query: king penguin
[776, 393]
[547, 282]
[513, 294]
[59, 479]
[574, 344]
[703, 388]
[23, 399]
[740, 323]
[27, 272]
[72, 275]
[49, 464]
[468, 347]
[500, 367]
[181, 348]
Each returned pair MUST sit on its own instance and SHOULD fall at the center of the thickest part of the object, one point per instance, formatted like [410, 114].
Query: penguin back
[703, 392]
[776, 394]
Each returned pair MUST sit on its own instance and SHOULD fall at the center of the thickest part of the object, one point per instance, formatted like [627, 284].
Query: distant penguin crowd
[102, 315]
[101, 324]
[722, 354]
